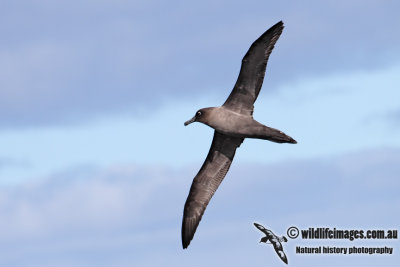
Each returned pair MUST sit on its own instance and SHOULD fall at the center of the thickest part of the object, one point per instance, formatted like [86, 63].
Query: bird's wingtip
[280, 23]
[185, 243]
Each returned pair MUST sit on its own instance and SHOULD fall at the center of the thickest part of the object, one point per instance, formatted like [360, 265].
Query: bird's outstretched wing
[281, 254]
[206, 182]
[252, 72]
[261, 228]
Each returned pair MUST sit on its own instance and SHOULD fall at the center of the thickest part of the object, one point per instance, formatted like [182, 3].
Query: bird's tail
[271, 134]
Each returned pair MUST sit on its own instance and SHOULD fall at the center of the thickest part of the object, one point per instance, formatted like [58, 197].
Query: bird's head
[200, 116]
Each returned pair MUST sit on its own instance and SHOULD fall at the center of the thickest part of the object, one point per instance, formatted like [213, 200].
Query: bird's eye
[198, 113]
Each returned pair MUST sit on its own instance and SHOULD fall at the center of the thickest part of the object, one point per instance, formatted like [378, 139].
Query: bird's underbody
[233, 122]
[228, 122]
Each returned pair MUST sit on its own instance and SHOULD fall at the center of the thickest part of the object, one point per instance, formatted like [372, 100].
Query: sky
[95, 163]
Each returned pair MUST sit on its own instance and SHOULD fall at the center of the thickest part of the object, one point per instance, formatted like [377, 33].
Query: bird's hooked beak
[190, 121]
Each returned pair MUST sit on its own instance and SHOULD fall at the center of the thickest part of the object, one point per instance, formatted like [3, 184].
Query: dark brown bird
[233, 121]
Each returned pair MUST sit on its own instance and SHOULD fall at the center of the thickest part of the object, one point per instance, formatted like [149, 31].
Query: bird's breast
[229, 122]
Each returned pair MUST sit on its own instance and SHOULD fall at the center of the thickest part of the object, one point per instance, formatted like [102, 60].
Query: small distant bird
[233, 122]
[274, 240]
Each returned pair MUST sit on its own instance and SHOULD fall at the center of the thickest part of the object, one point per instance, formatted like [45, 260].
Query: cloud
[389, 119]
[7, 162]
[73, 61]
[125, 215]
[393, 117]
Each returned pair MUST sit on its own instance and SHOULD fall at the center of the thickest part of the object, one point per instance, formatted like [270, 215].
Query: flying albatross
[233, 122]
